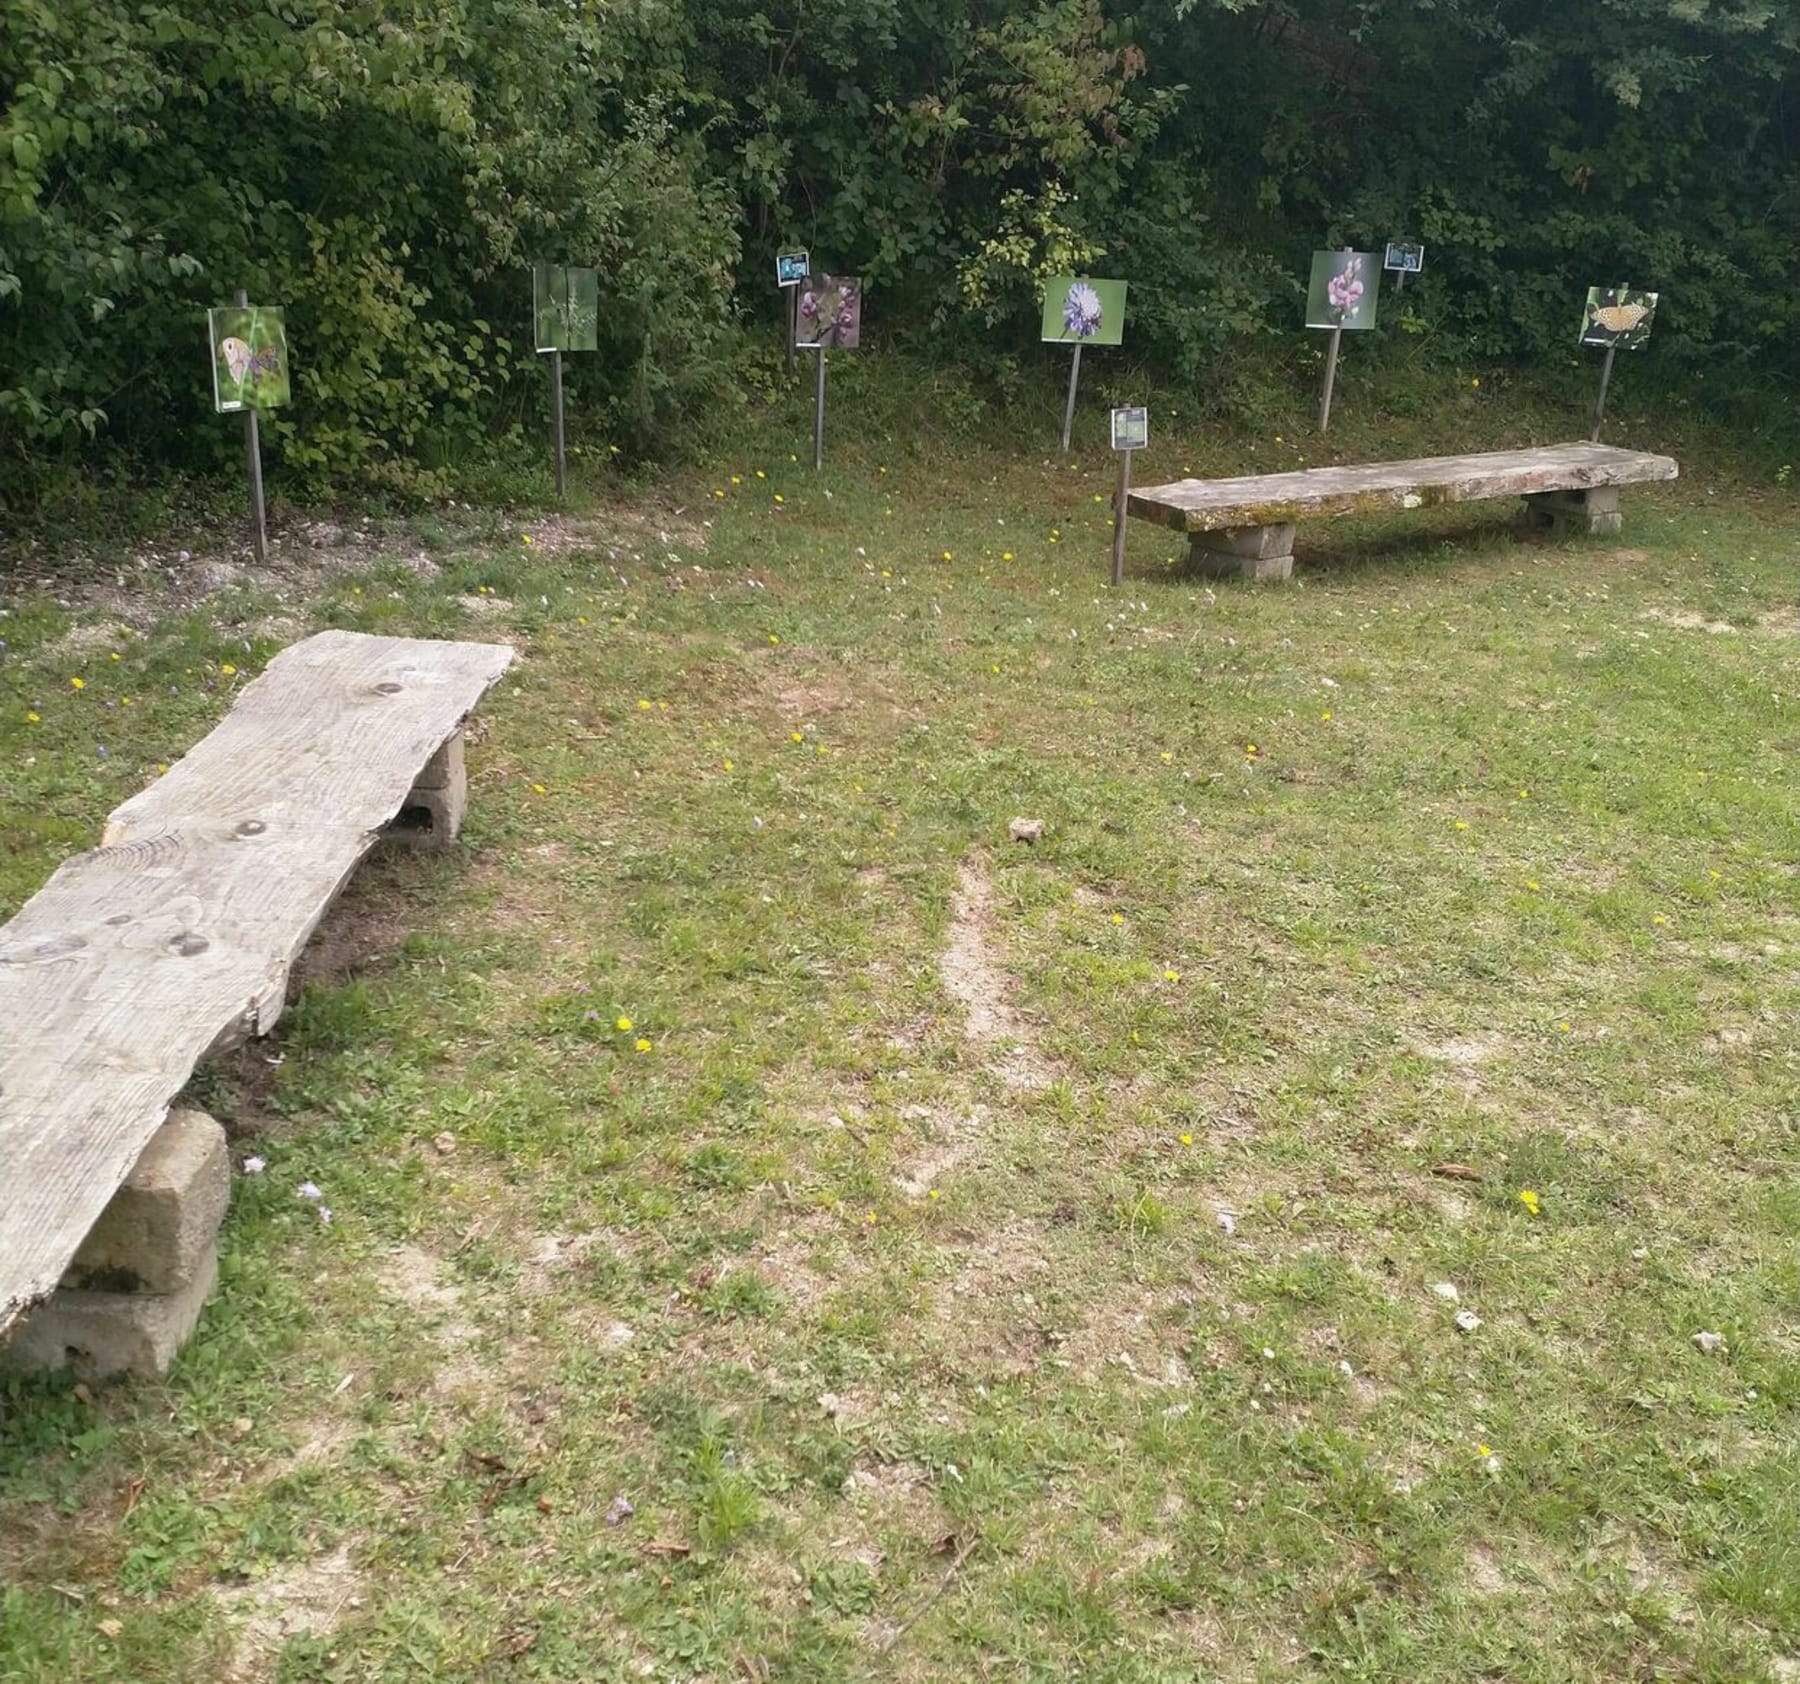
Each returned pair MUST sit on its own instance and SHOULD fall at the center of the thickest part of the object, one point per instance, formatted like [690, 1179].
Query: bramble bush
[388, 171]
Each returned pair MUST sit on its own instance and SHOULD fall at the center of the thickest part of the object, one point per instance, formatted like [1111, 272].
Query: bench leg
[1570, 514]
[1253, 552]
[434, 808]
[135, 1289]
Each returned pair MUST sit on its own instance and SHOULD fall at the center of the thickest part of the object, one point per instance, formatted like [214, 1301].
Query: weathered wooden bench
[176, 935]
[1246, 525]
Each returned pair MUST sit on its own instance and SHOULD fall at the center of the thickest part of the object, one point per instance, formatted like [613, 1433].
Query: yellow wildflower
[78, 683]
[33, 717]
[624, 1024]
[642, 1044]
[1529, 1200]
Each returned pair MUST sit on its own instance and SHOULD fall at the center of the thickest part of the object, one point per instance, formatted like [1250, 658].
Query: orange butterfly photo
[1617, 316]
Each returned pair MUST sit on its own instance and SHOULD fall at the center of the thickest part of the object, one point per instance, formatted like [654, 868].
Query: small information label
[791, 268]
[1130, 429]
[1404, 256]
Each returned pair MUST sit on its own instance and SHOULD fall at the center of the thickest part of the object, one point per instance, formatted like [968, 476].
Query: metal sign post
[791, 270]
[1337, 334]
[556, 423]
[253, 461]
[1130, 431]
[1069, 407]
[819, 412]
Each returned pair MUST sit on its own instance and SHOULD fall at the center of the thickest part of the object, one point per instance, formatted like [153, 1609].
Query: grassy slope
[1456, 851]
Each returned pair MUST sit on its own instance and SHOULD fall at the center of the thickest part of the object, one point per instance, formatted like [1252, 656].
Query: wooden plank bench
[1246, 525]
[176, 934]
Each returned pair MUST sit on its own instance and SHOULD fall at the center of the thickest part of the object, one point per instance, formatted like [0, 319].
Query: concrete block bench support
[1246, 525]
[434, 807]
[134, 1291]
[1254, 552]
[1575, 514]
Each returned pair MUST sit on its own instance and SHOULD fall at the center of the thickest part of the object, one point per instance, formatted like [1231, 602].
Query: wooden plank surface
[1210, 505]
[120, 974]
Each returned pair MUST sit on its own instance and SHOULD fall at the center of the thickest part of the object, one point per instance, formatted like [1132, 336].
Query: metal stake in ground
[253, 461]
[1600, 400]
[1130, 431]
[1069, 408]
[793, 325]
[1331, 356]
[556, 423]
[1119, 498]
[819, 412]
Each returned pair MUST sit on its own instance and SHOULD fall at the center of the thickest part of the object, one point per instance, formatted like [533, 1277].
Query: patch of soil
[1686, 619]
[308, 1598]
[972, 974]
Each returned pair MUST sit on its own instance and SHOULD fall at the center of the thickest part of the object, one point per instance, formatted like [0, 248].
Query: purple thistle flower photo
[1082, 312]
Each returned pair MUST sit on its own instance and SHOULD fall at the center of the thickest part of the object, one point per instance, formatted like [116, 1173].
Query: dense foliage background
[387, 169]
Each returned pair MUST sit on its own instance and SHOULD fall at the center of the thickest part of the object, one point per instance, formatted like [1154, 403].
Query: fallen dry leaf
[1456, 1172]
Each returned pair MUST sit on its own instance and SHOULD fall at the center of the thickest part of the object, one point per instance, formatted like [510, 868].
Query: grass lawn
[783, 1229]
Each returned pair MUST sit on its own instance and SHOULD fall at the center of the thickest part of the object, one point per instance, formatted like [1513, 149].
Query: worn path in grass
[783, 1229]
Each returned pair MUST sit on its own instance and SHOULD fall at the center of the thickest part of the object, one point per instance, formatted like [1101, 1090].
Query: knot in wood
[251, 827]
[187, 944]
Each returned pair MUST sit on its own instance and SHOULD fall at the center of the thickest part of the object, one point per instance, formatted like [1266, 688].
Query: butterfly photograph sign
[249, 358]
[1404, 256]
[565, 307]
[1079, 310]
[1342, 290]
[792, 268]
[1617, 317]
[829, 317]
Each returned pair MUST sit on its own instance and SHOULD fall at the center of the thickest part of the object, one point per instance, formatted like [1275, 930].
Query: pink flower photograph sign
[1342, 293]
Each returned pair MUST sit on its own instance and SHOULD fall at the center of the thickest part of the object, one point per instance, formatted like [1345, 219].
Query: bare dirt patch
[306, 1599]
[1686, 619]
[972, 974]
[1464, 1052]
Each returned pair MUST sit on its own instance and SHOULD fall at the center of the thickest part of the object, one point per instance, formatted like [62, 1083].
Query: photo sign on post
[828, 317]
[791, 270]
[1403, 258]
[1617, 318]
[1078, 311]
[1341, 297]
[249, 358]
[249, 373]
[1130, 431]
[565, 316]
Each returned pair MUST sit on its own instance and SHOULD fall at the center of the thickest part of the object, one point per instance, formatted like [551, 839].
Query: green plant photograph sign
[1081, 311]
[1343, 288]
[249, 357]
[565, 307]
[1617, 316]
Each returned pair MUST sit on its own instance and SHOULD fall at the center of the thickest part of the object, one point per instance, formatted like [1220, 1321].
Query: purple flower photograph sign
[1079, 310]
[1343, 289]
[830, 313]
